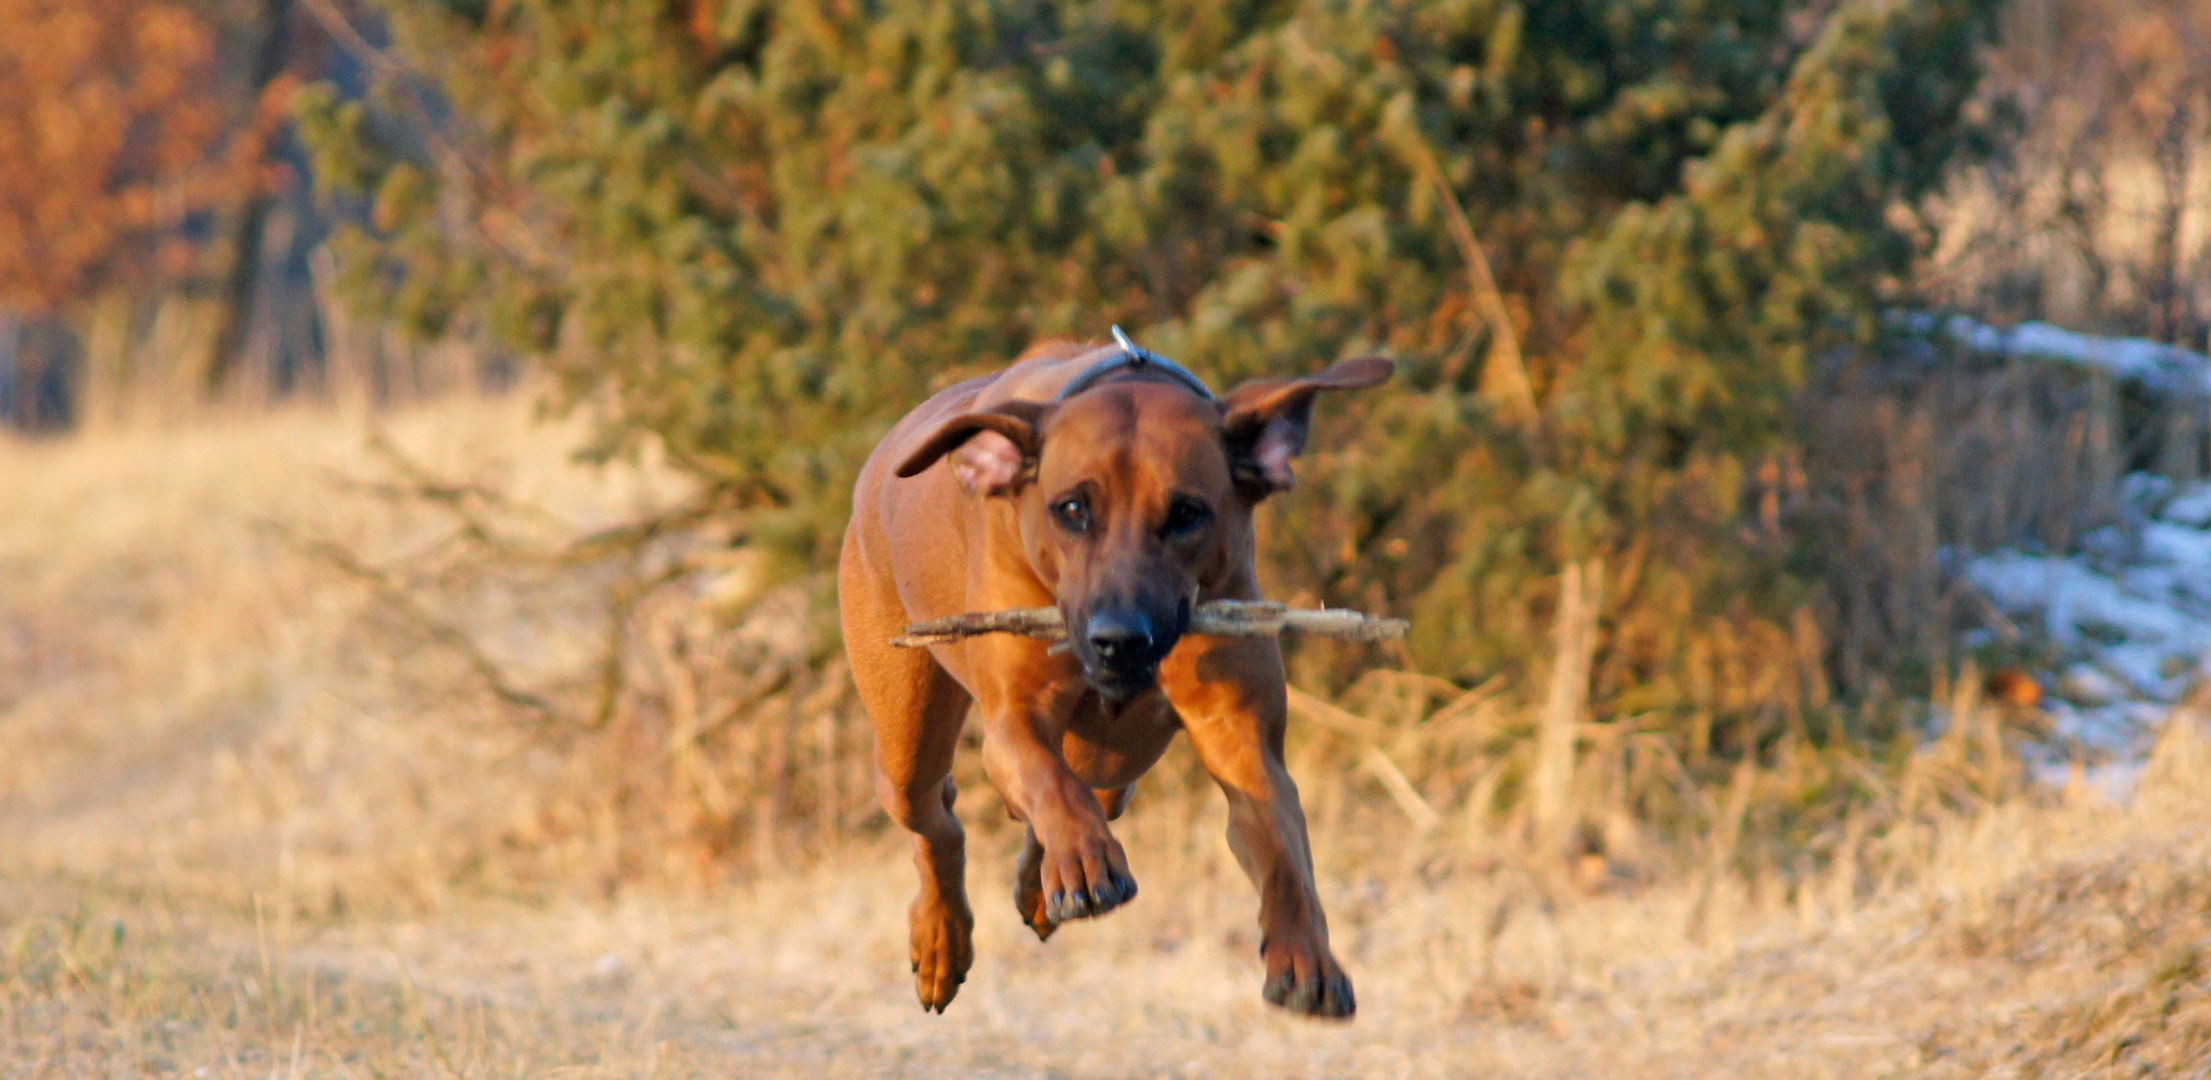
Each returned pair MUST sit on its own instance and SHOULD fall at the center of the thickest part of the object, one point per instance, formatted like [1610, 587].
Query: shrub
[1608, 240]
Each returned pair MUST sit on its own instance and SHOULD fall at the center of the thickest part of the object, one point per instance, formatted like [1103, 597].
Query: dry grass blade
[1580, 595]
[1401, 790]
[1233, 618]
[1506, 375]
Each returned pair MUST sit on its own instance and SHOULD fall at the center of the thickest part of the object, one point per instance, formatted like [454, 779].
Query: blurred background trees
[1628, 252]
[2094, 215]
[158, 227]
[110, 129]
[104, 106]
[1608, 241]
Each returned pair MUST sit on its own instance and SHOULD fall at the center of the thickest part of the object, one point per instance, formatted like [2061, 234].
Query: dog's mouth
[1120, 684]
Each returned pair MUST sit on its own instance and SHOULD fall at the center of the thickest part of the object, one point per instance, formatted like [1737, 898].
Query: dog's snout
[1120, 637]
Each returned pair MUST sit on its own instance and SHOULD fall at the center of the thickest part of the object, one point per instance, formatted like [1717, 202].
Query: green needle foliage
[758, 232]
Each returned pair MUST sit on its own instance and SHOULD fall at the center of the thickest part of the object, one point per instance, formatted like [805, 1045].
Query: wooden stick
[1243, 618]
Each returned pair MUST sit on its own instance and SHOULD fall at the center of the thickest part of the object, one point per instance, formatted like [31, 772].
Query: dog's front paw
[943, 950]
[1308, 981]
[1082, 879]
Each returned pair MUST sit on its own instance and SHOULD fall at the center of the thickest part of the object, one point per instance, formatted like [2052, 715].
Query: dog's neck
[1135, 359]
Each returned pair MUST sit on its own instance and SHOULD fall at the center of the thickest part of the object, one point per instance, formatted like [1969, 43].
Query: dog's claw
[943, 950]
[1086, 880]
[1067, 908]
[1320, 989]
[1126, 885]
[1094, 893]
[1035, 914]
[1115, 890]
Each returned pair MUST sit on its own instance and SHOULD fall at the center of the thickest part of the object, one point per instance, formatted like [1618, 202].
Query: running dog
[1111, 483]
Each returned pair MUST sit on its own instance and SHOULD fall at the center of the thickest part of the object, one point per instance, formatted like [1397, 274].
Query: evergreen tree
[1606, 238]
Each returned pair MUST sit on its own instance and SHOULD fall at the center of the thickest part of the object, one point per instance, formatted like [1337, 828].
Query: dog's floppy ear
[993, 452]
[1265, 421]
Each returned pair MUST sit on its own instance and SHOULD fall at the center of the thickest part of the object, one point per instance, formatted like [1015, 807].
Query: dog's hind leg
[917, 709]
[915, 734]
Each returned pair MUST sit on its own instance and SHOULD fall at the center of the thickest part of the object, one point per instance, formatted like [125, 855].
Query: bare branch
[402, 600]
[1234, 618]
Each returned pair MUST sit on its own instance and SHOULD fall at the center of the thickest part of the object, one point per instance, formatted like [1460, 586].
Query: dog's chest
[1110, 744]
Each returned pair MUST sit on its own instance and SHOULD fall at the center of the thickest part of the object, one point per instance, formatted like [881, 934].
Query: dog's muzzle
[1120, 648]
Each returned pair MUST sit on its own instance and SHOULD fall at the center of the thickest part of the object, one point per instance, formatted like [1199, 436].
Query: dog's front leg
[1230, 694]
[1081, 869]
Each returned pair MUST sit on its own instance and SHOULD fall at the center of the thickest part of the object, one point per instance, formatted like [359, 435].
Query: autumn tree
[138, 135]
[104, 121]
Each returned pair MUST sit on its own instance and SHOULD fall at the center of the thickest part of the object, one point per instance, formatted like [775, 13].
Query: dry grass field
[248, 829]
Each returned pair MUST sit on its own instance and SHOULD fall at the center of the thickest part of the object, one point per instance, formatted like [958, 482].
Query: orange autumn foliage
[110, 119]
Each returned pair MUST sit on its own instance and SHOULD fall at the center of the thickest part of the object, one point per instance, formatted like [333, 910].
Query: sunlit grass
[250, 826]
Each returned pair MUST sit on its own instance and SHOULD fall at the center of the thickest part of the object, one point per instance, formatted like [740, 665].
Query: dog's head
[1134, 496]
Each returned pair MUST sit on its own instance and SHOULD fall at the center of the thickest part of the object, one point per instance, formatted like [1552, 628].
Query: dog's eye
[1185, 516]
[1073, 514]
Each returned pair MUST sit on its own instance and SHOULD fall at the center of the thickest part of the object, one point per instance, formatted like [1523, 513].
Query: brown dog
[1108, 482]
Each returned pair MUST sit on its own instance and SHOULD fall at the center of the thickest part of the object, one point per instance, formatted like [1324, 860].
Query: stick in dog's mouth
[1243, 618]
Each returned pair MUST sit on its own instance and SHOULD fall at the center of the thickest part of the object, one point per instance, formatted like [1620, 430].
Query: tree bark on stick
[1247, 618]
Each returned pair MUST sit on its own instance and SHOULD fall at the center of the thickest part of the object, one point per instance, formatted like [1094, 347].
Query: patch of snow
[2191, 508]
[2088, 685]
[2130, 617]
[2177, 545]
[2151, 363]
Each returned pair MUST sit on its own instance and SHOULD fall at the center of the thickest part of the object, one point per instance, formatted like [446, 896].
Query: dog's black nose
[1120, 637]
